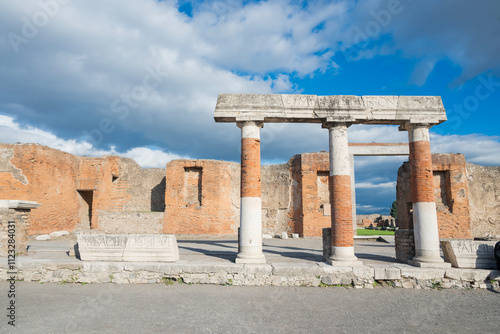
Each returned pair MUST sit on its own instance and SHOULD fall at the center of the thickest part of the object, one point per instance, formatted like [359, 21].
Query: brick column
[250, 236]
[422, 197]
[340, 198]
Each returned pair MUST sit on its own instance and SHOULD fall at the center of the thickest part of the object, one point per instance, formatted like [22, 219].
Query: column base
[349, 263]
[250, 259]
[429, 263]
[343, 257]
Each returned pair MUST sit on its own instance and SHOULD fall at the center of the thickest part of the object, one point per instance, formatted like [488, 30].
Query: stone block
[132, 247]
[58, 234]
[43, 237]
[467, 274]
[469, 253]
[421, 273]
[387, 273]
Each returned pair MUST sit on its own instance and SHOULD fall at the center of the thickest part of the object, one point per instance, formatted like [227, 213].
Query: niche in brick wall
[442, 190]
[193, 186]
[324, 192]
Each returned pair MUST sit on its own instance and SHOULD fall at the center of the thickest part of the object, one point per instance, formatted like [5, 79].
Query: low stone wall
[130, 222]
[277, 274]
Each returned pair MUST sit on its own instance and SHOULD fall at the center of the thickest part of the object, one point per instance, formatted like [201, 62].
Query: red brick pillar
[340, 197]
[425, 224]
[250, 236]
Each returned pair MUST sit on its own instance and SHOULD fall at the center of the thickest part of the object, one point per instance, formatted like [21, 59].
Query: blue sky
[140, 78]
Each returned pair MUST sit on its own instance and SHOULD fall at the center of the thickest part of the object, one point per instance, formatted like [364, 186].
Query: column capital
[241, 124]
[407, 126]
[329, 125]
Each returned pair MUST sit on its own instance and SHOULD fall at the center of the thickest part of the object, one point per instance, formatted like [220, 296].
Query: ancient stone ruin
[439, 196]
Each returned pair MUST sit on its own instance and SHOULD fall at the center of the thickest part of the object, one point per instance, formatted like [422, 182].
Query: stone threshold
[272, 274]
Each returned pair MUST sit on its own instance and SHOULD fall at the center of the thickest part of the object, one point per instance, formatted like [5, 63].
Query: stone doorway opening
[86, 198]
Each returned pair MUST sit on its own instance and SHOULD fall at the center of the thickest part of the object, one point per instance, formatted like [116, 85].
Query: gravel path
[178, 308]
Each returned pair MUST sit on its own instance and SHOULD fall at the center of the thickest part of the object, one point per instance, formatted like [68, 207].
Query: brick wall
[199, 198]
[450, 193]
[312, 177]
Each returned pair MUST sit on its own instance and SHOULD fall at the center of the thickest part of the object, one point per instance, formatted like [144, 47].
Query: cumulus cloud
[13, 132]
[427, 31]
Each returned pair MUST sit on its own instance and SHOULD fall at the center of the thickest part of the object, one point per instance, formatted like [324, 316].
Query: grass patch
[374, 232]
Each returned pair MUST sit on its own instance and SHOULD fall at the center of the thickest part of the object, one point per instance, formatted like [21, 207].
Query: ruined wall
[484, 199]
[74, 190]
[200, 197]
[47, 176]
[451, 192]
[203, 198]
[131, 222]
[374, 219]
[145, 187]
[316, 210]
[20, 218]
[276, 199]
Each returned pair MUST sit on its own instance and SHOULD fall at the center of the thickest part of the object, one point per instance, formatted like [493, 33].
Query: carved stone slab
[128, 247]
[463, 253]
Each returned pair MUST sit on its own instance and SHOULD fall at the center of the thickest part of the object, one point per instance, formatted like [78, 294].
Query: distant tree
[394, 210]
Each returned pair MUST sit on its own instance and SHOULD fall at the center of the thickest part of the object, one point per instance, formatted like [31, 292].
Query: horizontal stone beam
[17, 204]
[284, 108]
[378, 149]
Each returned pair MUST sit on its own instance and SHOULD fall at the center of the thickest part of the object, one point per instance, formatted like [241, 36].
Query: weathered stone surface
[421, 273]
[134, 247]
[318, 109]
[130, 222]
[484, 187]
[467, 274]
[469, 253]
[43, 237]
[58, 234]
[387, 273]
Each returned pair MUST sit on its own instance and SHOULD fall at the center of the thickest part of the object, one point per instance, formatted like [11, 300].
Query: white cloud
[369, 185]
[462, 31]
[477, 148]
[12, 132]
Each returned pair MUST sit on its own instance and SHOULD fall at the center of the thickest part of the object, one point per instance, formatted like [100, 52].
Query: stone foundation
[278, 274]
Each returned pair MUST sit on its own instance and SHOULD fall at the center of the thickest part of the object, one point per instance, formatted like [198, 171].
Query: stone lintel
[18, 204]
[283, 108]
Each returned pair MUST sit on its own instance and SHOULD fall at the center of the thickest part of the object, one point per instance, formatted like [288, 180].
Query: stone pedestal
[463, 253]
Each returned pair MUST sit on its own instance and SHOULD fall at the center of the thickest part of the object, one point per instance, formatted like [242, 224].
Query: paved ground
[156, 308]
[302, 250]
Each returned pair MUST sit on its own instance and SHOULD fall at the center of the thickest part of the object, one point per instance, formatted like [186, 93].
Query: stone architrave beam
[276, 108]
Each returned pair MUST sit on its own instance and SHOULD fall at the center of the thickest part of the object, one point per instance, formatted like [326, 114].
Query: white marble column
[250, 236]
